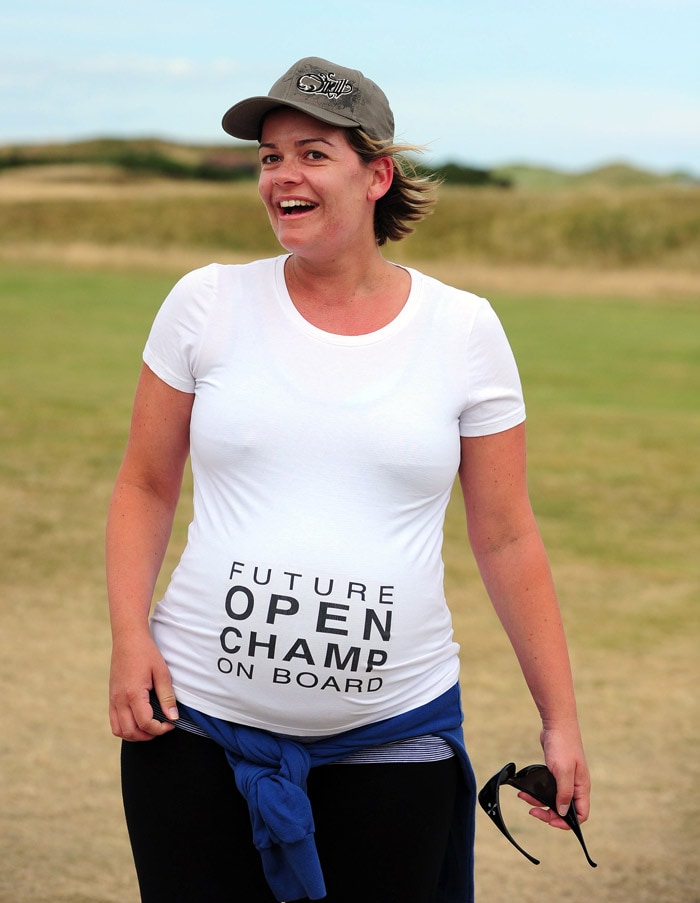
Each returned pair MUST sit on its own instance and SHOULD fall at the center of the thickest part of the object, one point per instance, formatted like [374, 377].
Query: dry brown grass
[636, 243]
[61, 829]
[482, 278]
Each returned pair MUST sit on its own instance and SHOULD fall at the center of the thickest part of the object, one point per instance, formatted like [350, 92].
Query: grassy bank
[599, 227]
[614, 426]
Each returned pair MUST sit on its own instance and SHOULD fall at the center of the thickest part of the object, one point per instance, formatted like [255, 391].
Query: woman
[299, 681]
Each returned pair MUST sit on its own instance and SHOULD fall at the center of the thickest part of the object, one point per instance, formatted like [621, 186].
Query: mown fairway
[613, 390]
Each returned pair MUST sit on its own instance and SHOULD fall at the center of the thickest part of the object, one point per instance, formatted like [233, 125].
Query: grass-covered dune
[611, 218]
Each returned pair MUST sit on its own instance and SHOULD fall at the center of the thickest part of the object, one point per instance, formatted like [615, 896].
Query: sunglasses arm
[488, 798]
[547, 794]
[572, 821]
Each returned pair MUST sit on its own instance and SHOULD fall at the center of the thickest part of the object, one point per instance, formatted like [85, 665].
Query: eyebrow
[301, 143]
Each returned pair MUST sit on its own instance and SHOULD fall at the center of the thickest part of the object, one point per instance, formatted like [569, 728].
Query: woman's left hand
[564, 756]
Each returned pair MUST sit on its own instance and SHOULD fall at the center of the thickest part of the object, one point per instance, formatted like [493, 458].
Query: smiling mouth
[295, 206]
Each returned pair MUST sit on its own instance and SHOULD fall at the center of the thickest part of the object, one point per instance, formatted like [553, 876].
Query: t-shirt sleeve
[175, 338]
[495, 392]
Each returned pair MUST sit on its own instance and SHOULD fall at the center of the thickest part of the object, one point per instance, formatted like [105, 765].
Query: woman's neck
[347, 298]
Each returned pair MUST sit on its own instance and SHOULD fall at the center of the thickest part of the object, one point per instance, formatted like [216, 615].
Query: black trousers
[381, 829]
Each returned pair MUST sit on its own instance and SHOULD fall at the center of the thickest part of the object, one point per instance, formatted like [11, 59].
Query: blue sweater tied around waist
[271, 773]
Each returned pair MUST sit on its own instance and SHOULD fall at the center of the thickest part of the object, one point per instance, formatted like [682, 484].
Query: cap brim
[244, 119]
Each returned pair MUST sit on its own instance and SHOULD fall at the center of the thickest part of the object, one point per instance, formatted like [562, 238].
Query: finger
[135, 717]
[543, 813]
[146, 723]
[533, 801]
[140, 736]
[583, 812]
[124, 725]
[575, 789]
[565, 791]
[582, 802]
[166, 698]
[114, 721]
[550, 817]
[563, 802]
[150, 729]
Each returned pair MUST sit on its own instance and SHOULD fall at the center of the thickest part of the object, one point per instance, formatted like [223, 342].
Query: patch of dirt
[485, 279]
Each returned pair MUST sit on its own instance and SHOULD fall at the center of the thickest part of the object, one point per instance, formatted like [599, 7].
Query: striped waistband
[426, 748]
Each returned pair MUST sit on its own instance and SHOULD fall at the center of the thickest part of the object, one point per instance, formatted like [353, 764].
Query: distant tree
[151, 161]
[457, 174]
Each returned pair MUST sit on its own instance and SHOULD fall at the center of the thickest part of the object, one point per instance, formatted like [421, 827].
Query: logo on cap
[324, 83]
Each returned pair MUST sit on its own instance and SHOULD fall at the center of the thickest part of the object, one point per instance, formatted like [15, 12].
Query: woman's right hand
[137, 668]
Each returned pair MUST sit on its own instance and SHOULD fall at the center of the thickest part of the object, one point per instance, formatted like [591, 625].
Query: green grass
[69, 356]
[613, 391]
[613, 396]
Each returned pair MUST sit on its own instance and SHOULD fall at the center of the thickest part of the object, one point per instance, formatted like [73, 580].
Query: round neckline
[335, 338]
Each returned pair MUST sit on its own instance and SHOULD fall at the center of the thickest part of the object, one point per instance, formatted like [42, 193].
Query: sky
[571, 84]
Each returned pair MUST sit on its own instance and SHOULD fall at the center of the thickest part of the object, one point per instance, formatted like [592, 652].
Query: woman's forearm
[518, 580]
[138, 530]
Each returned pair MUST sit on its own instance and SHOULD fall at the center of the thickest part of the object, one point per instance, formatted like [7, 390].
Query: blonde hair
[412, 195]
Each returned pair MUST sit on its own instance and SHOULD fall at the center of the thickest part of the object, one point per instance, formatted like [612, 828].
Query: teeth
[296, 203]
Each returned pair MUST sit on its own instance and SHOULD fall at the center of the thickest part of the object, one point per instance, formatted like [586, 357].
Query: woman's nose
[287, 172]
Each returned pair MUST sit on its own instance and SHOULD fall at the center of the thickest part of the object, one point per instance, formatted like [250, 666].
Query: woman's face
[318, 192]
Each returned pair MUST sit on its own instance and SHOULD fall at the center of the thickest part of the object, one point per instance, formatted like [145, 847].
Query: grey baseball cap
[334, 94]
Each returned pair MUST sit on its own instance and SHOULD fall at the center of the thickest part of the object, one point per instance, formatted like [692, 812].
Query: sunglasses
[538, 782]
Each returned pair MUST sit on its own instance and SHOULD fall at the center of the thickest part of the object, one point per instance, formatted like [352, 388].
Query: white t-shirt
[309, 599]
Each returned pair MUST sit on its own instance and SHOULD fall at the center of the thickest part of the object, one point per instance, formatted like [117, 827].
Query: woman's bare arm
[514, 567]
[139, 524]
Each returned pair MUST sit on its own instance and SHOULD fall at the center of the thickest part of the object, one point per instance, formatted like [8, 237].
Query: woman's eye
[316, 155]
[269, 158]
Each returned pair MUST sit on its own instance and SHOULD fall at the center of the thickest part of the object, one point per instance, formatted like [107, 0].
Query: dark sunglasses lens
[538, 781]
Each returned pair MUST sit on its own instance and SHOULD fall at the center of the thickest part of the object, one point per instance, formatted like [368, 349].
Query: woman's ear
[382, 176]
